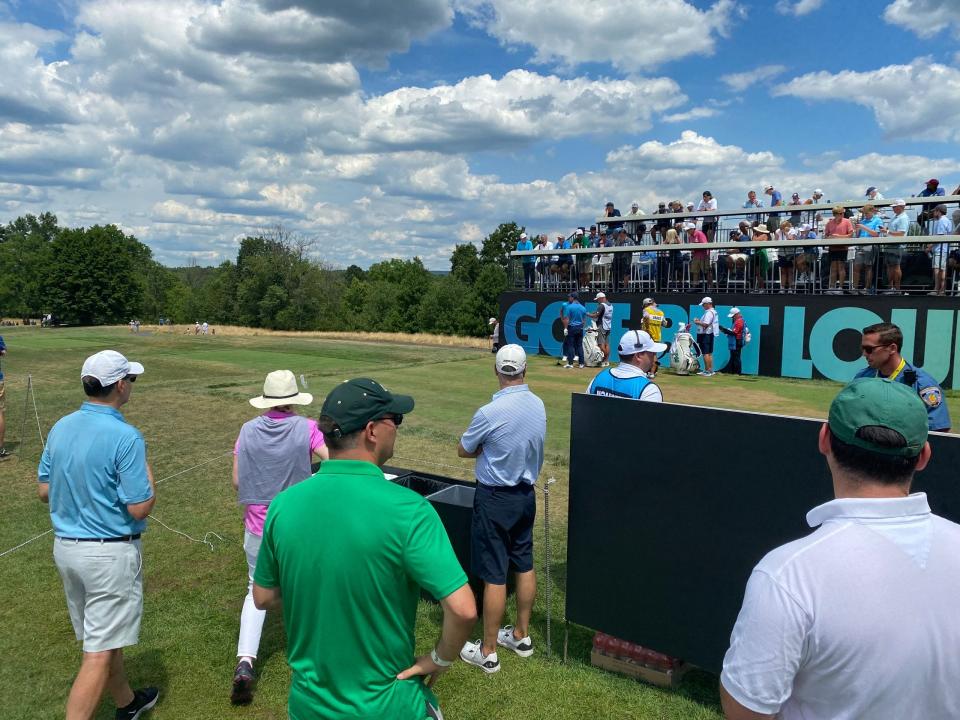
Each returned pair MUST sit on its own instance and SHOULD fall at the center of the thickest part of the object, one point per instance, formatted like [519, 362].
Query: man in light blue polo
[506, 436]
[94, 474]
[529, 262]
[573, 317]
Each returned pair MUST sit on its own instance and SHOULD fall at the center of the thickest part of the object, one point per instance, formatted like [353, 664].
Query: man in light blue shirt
[870, 225]
[573, 317]
[529, 262]
[94, 474]
[506, 436]
[892, 254]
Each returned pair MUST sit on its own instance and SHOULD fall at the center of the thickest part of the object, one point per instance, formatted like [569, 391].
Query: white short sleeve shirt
[859, 620]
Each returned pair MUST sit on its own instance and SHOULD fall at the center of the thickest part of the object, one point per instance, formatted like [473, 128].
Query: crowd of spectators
[834, 269]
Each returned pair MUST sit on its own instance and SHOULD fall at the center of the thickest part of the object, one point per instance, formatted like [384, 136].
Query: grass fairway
[189, 406]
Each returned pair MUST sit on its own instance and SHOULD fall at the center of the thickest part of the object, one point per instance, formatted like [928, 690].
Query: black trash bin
[453, 501]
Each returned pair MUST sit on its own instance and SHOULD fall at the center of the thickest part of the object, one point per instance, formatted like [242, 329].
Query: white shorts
[939, 256]
[103, 583]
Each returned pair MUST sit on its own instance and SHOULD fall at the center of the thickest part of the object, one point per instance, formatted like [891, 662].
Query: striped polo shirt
[511, 428]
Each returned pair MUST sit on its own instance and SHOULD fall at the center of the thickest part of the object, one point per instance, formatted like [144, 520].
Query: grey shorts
[892, 255]
[865, 255]
[603, 337]
[103, 583]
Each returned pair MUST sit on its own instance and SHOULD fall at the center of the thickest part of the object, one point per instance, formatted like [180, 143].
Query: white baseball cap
[733, 312]
[818, 191]
[108, 366]
[511, 360]
[648, 301]
[523, 236]
[636, 341]
[600, 295]
[706, 300]
[579, 231]
[899, 202]
[492, 321]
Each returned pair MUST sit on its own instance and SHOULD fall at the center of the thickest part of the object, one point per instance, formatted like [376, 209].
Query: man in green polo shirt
[346, 553]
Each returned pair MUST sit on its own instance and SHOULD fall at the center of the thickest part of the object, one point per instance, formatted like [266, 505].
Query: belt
[122, 538]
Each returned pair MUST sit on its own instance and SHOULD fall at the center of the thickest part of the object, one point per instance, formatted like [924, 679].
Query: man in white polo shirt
[708, 327]
[859, 619]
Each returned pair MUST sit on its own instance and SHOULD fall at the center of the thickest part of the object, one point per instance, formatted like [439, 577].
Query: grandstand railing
[750, 265]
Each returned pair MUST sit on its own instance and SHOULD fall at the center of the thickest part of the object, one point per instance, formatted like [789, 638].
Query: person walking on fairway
[95, 477]
[506, 437]
[346, 552]
[273, 452]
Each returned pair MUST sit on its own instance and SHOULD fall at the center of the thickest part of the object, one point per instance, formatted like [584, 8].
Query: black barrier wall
[662, 539]
[799, 336]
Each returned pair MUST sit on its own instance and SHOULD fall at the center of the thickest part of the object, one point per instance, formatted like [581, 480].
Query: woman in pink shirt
[838, 227]
[273, 451]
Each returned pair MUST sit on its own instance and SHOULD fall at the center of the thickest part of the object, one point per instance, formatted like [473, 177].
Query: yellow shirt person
[652, 319]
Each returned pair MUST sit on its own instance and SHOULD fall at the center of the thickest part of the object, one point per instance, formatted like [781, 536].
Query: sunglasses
[868, 349]
[131, 378]
[397, 420]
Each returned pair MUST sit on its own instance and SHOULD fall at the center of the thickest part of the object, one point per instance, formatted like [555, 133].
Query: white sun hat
[280, 388]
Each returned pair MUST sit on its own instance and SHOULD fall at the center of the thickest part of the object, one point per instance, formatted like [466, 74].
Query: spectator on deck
[543, 261]
[817, 198]
[610, 211]
[529, 262]
[776, 200]
[892, 254]
[872, 194]
[583, 261]
[870, 225]
[796, 216]
[837, 227]
[751, 203]
[699, 259]
[932, 189]
[621, 261]
[735, 257]
[764, 256]
[564, 262]
[785, 256]
[857, 619]
[659, 231]
[708, 204]
[939, 252]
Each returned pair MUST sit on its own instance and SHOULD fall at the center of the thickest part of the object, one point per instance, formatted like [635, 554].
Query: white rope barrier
[204, 541]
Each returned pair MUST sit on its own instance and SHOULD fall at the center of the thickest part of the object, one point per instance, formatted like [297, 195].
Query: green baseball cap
[354, 403]
[878, 401]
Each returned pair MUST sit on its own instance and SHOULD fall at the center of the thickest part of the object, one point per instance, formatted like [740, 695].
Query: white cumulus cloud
[798, 8]
[738, 82]
[628, 34]
[926, 18]
[919, 101]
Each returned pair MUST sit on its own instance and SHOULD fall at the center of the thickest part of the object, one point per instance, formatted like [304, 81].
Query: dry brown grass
[405, 338]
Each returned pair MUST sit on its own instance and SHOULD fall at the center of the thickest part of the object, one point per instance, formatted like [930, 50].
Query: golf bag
[684, 353]
[592, 354]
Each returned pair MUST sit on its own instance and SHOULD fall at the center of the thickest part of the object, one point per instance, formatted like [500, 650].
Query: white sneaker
[581, 366]
[568, 366]
[506, 638]
[704, 373]
[473, 653]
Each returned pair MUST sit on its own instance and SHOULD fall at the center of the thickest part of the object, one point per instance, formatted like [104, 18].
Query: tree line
[101, 275]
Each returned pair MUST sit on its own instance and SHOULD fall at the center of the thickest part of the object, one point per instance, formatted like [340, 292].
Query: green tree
[465, 263]
[96, 275]
[498, 245]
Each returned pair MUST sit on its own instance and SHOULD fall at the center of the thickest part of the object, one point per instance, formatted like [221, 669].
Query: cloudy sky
[397, 128]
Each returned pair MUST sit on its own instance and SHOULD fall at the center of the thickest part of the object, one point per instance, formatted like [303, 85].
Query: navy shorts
[501, 536]
[705, 341]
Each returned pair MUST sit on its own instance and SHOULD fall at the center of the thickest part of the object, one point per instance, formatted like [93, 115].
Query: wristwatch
[437, 660]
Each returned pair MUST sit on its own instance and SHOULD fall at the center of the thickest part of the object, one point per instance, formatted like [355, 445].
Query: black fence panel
[669, 518]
